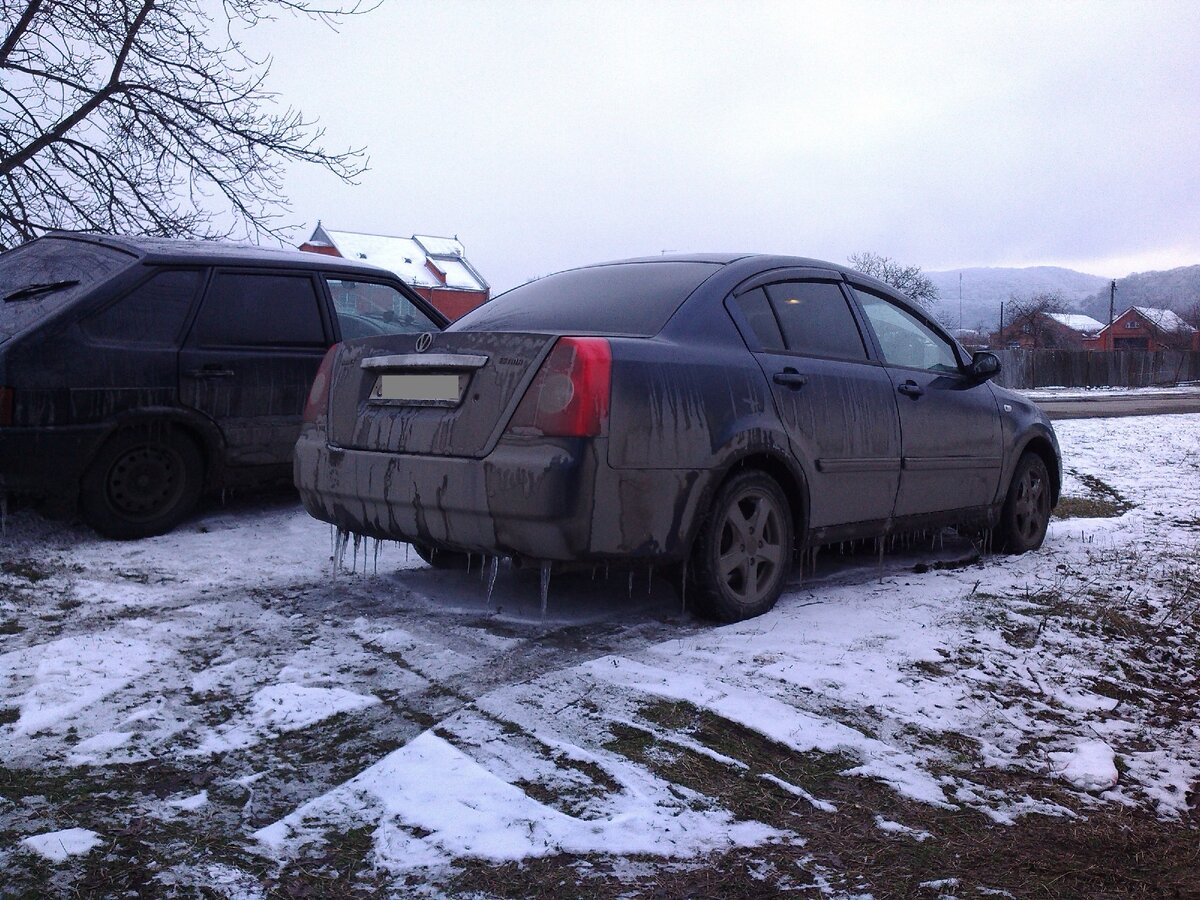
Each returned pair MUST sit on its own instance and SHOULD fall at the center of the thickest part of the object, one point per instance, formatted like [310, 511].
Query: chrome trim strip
[426, 361]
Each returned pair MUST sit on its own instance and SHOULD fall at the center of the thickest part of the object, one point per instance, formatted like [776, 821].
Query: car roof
[749, 261]
[167, 251]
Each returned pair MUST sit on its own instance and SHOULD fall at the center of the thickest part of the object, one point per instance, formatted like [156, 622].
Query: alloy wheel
[1031, 506]
[751, 549]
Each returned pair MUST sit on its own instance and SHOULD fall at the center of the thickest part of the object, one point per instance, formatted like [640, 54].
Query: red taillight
[318, 394]
[6, 405]
[570, 393]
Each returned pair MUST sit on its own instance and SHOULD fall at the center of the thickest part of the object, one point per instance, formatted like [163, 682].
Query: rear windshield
[626, 298]
[43, 276]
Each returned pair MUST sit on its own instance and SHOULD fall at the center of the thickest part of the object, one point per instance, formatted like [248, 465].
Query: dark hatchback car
[718, 413]
[137, 372]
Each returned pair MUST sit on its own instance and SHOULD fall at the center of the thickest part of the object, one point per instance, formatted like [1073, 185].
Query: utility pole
[1001, 332]
[1112, 306]
[960, 325]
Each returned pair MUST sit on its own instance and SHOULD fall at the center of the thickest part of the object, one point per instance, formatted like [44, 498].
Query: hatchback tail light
[569, 396]
[7, 397]
[318, 394]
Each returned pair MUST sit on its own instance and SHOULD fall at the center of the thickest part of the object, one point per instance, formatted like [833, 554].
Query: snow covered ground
[1077, 393]
[217, 705]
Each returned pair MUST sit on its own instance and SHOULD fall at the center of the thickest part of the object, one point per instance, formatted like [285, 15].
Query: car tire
[142, 483]
[441, 558]
[1026, 511]
[743, 554]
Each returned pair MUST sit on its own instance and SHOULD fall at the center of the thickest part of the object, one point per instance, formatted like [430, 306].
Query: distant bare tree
[1191, 313]
[1028, 315]
[147, 116]
[909, 280]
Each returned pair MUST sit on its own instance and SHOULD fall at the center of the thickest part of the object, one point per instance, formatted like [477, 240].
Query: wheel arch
[786, 473]
[1042, 446]
[199, 430]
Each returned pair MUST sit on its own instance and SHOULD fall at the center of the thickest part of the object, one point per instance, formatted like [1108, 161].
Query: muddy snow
[219, 709]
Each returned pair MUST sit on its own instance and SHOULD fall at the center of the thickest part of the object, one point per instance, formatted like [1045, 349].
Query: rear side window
[757, 310]
[625, 298]
[366, 308]
[816, 319]
[151, 314]
[255, 310]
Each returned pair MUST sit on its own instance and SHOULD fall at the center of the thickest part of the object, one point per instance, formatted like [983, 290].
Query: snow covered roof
[439, 246]
[1076, 322]
[1165, 319]
[457, 275]
[407, 257]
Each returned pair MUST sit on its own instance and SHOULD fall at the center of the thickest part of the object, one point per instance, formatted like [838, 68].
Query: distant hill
[1177, 289]
[984, 289]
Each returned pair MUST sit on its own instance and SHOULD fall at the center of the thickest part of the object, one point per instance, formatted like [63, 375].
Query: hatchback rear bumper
[532, 498]
[46, 461]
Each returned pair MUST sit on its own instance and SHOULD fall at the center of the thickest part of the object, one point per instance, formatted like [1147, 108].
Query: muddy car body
[137, 372]
[711, 412]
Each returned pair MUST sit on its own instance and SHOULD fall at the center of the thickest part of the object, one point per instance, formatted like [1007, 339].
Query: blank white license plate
[419, 388]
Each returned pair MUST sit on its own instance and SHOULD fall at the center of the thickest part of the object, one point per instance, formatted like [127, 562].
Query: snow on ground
[453, 725]
[57, 846]
[1079, 393]
[1090, 766]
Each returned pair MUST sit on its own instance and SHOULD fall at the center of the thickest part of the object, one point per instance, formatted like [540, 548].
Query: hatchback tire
[743, 554]
[142, 483]
[1026, 511]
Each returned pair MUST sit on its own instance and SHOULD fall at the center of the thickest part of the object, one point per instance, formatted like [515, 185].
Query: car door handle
[790, 378]
[213, 372]
[911, 389]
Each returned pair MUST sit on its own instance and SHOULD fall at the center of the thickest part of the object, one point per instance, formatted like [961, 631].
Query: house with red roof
[1146, 328]
[1039, 330]
[435, 267]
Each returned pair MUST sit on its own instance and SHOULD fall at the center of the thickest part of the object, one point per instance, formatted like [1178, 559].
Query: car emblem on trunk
[424, 341]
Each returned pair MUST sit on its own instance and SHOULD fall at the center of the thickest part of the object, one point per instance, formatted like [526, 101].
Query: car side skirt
[976, 517]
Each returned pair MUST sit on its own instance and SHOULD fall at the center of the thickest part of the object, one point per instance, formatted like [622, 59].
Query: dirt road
[1111, 406]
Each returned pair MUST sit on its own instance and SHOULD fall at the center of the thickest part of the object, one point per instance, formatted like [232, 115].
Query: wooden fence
[1096, 368]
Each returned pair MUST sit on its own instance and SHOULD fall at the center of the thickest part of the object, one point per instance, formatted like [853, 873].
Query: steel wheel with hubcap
[743, 553]
[1026, 512]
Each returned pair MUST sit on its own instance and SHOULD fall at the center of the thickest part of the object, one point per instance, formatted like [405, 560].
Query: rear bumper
[46, 461]
[530, 498]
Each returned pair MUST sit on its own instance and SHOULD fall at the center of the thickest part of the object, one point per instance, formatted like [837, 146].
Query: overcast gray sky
[551, 134]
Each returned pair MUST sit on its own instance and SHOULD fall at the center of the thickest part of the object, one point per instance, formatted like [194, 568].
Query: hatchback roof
[159, 250]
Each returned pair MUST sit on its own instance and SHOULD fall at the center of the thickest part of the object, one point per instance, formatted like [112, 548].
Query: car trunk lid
[447, 394]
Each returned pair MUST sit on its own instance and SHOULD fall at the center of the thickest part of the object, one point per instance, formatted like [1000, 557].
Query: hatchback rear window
[43, 276]
[625, 298]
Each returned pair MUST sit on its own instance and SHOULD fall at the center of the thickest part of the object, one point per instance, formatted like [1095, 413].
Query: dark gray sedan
[717, 413]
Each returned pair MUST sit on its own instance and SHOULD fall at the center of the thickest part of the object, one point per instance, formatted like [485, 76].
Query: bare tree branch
[149, 116]
[909, 280]
[1028, 315]
[18, 29]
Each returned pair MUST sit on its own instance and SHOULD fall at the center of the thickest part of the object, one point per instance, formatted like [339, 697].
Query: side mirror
[985, 365]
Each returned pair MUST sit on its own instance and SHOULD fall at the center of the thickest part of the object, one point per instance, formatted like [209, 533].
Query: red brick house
[1039, 330]
[434, 267]
[1146, 328]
